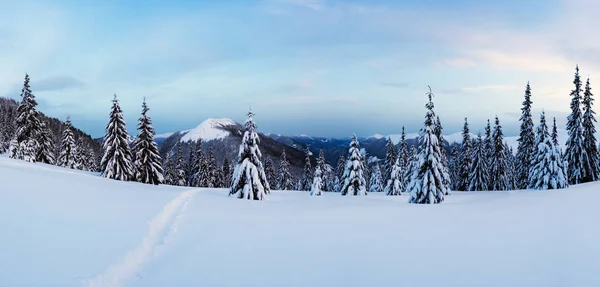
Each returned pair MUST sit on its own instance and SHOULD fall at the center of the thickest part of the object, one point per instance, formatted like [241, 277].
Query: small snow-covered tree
[226, 173]
[404, 151]
[394, 184]
[354, 181]
[285, 180]
[211, 167]
[81, 162]
[170, 176]
[322, 164]
[25, 144]
[390, 159]
[479, 174]
[499, 166]
[249, 179]
[148, 167]
[308, 172]
[46, 145]
[317, 185]
[116, 162]
[411, 168]
[68, 148]
[339, 172]
[270, 171]
[547, 170]
[466, 159]
[526, 148]
[555, 134]
[179, 167]
[376, 183]
[511, 164]
[454, 167]
[575, 151]
[428, 185]
[199, 165]
[591, 168]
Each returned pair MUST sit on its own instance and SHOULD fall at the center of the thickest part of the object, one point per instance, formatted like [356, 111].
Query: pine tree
[499, 168]
[394, 184]
[404, 151]
[317, 185]
[25, 144]
[270, 171]
[308, 173]
[547, 170]
[455, 164]
[479, 174]
[148, 167]
[555, 134]
[511, 166]
[366, 168]
[489, 149]
[390, 159]
[211, 167]
[189, 166]
[285, 180]
[590, 162]
[339, 173]
[376, 182]
[80, 155]
[179, 172]
[170, 176]
[466, 159]
[116, 162]
[411, 168]
[199, 166]
[46, 145]
[68, 148]
[249, 179]
[321, 163]
[445, 174]
[354, 180]
[526, 148]
[428, 185]
[226, 173]
[575, 152]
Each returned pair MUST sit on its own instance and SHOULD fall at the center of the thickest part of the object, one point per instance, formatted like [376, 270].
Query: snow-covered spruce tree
[575, 151]
[285, 180]
[226, 173]
[24, 145]
[547, 166]
[394, 184]
[270, 171]
[116, 162]
[499, 166]
[479, 174]
[390, 159]
[80, 155]
[169, 170]
[317, 185]
[526, 147]
[428, 184]
[308, 172]
[211, 166]
[199, 165]
[376, 183]
[511, 163]
[45, 152]
[189, 165]
[366, 168]
[354, 180]
[555, 134]
[404, 152]
[466, 159]
[446, 171]
[454, 167]
[148, 167]
[68, 149]
[339, 174]
[411, 168]
[249, 179]
[590, 163]
[322, 164]
[179, 170]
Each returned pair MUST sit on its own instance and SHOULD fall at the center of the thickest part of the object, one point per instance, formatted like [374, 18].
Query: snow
[210, 129]
[457, 137]
[163, 136]
[395, 137]
[65, 228]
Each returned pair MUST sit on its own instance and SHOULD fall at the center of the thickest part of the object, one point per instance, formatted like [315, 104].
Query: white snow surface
[68, 228]
[210, 129]
[163, 136]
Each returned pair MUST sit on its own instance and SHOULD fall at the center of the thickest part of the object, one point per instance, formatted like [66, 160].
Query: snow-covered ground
[67, 228]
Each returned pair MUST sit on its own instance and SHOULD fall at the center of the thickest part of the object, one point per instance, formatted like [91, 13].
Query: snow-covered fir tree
[45, 152]
[211, 167]
[25, 144]
[170, 176]
[249, 179]
[590, 145]
[547, 169]
[575, 152]
[555, 133]
[479, 175]
[428, 184]
[411, 168]
[390, 159]
[394, 184]
[189, 165]
[499, 166]
[322, 164]
[339, 174]
[317, 185]
[511, 166]
[116, 162]
[199, 165]
[454, 167]
[446, 171]
[466, 159]
[179, 168]
[308, 172]
[366, 168]
[376, 183]
[526, 148]
[226, 173]
[270, 172]
[68, 148]
[285, 180]
[354, 180]
[81, 162]
[148, 168]
[404, 151]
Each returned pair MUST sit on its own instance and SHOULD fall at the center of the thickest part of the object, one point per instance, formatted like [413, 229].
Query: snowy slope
[67, 228]
[394, 137]
[210, 129]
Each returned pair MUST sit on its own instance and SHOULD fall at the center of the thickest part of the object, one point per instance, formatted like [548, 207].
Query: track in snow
[160, 230]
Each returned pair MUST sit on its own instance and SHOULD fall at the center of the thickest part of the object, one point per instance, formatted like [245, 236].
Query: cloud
[57, 84]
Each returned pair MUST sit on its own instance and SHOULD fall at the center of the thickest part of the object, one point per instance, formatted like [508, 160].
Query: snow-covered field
[67, 228]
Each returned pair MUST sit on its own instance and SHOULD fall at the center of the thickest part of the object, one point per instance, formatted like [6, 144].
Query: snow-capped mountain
[211, 129]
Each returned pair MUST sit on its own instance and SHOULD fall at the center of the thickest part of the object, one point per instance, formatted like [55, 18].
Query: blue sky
[318, 67]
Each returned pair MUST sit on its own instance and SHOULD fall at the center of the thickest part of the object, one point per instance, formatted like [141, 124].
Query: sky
[317, 67]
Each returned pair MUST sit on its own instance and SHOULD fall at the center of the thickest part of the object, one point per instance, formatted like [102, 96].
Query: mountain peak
[210, 129]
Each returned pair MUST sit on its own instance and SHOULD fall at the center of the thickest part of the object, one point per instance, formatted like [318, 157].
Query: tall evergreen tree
[249, 179]
[308, 173]
[575, 151]
[555, 134]
[339, 173]
[488, 148]
[411, 168]
[354, 180]
[148, 167]
[390, 159]
[394, 184]
[226, 173]
[189, 166]
[25, 144]
[404, 151]
[547, 170]
[46, 145]
[466, 159]
[211, 169]
[590, 163]
[512, 165]
[446, 171]
[68, 148]
[499, 168]
[322, 164]
[376, 183]
[270, 172]
[526, 148]
[169, 171]
[81, 162]
[199, 166]
[479, 175]
[317, 185]
[454, 167]
[116, 162]
[428, 184]
[179, 169]
[285, 180]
